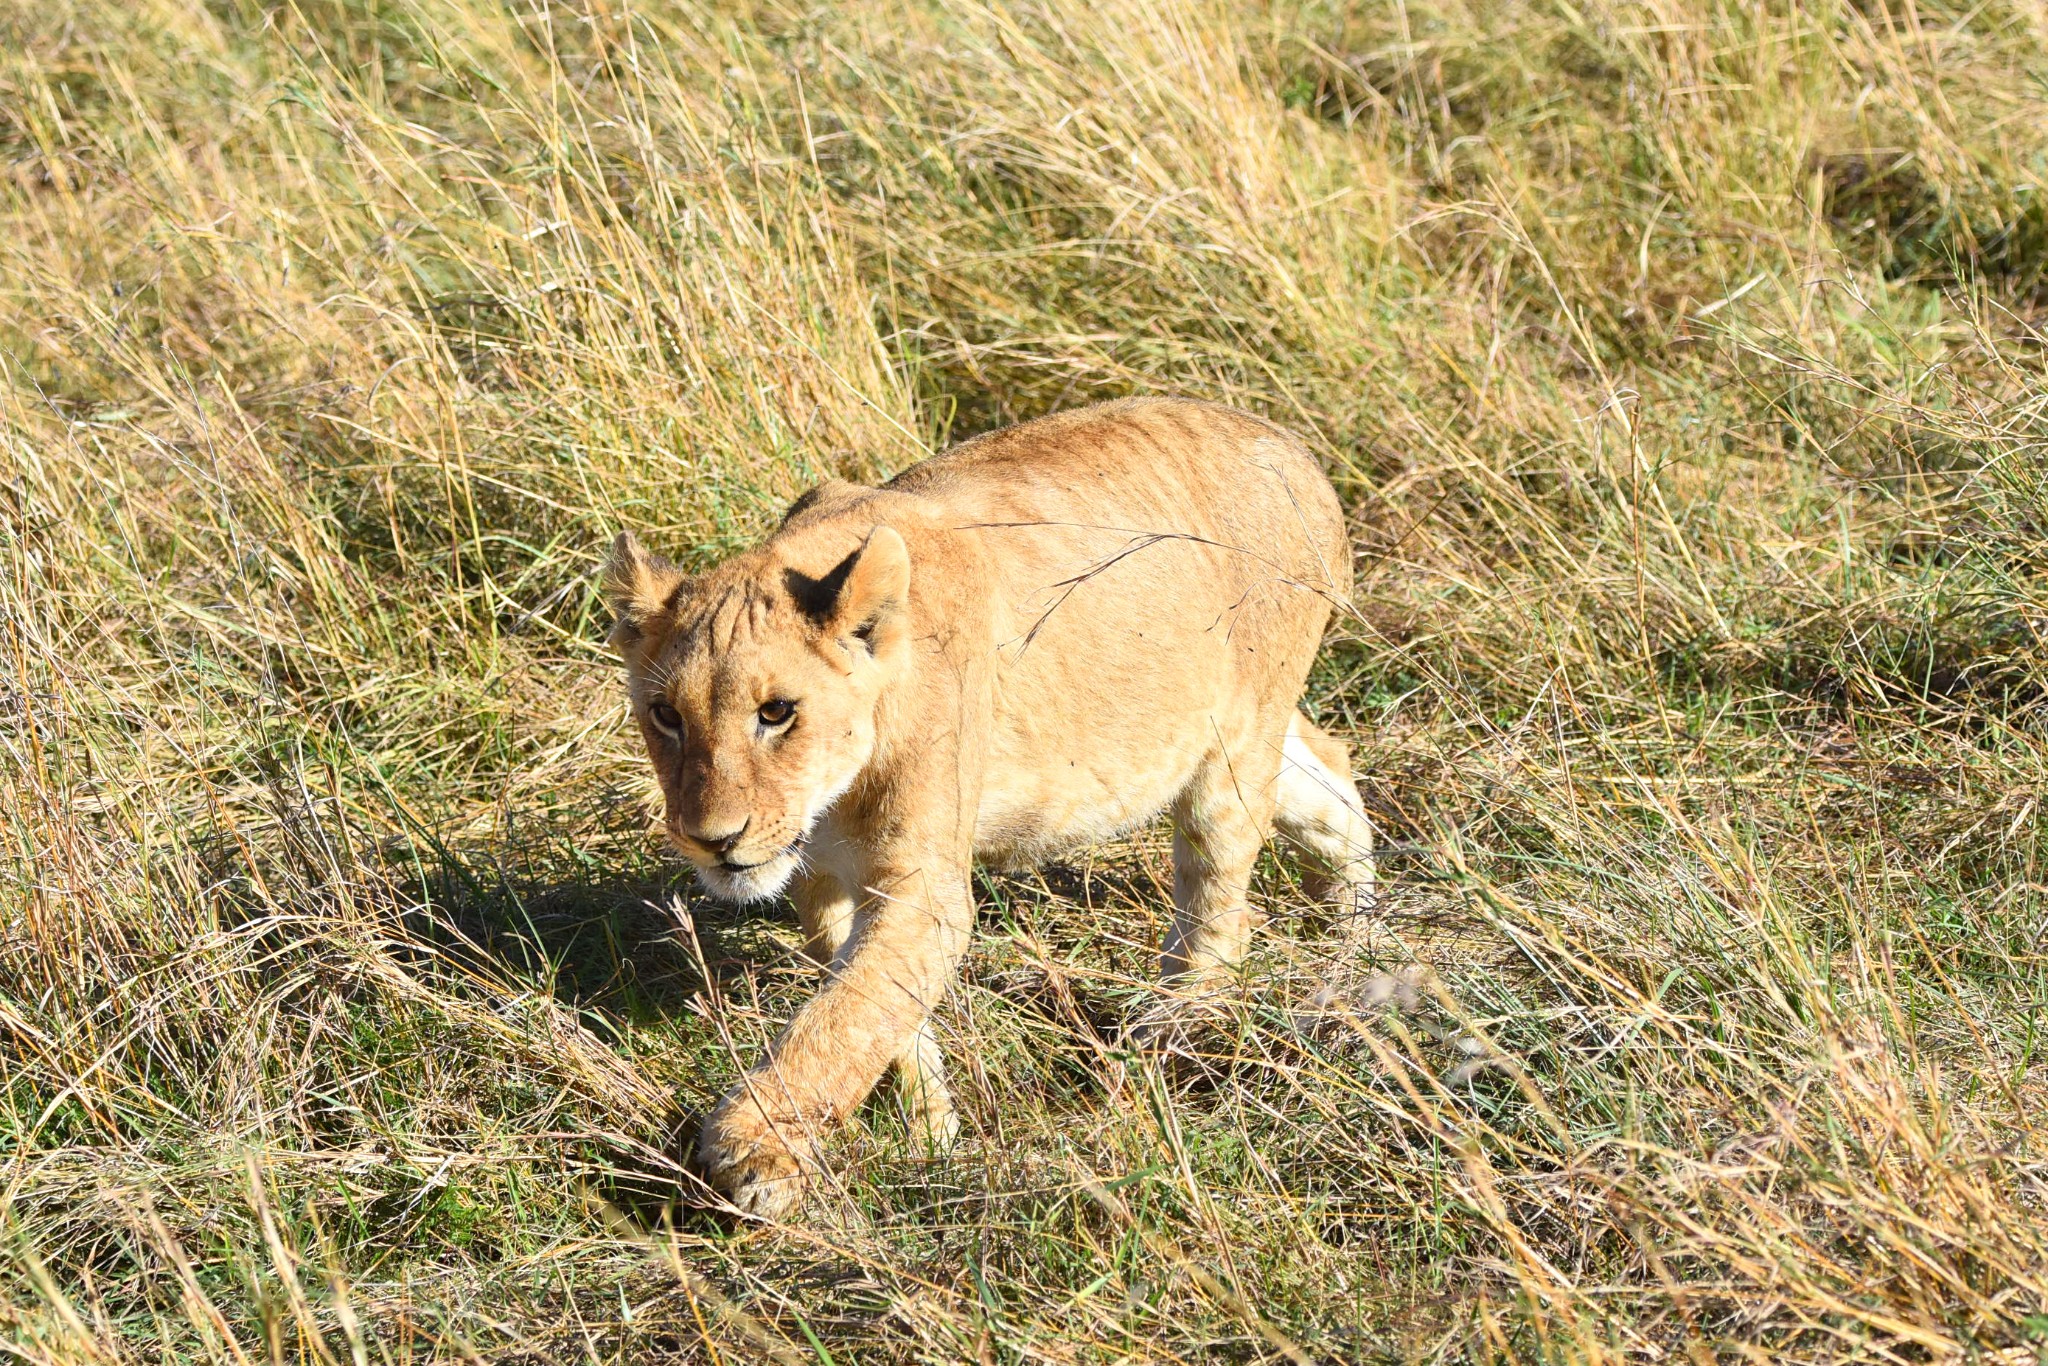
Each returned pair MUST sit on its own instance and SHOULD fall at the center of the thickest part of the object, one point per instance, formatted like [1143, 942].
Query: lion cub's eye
[666, 717]
[777, 713]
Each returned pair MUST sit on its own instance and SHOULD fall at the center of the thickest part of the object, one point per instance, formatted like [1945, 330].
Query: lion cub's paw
[1171, 1024]
[751, 1166]
[934, 1127]
[1352, 895]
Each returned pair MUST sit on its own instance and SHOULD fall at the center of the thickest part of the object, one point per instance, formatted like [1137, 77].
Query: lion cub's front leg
[906, 941]
[824, 908]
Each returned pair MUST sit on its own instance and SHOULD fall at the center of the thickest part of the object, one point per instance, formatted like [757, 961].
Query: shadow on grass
[632, 948]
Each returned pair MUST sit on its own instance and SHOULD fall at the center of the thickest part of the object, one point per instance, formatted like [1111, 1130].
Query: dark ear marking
[818, 598]
[861, 595]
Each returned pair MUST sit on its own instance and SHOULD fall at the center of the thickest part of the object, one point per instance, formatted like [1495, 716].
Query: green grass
[1681, 367]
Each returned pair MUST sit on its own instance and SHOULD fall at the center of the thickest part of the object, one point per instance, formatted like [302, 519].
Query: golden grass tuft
[1680, 363]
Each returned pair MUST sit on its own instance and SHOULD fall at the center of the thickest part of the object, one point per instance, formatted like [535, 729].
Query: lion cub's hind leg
[1219, 823]
[1320, 811]
[824, 908]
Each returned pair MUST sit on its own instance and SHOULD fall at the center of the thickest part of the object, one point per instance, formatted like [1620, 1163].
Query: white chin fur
[762, 883]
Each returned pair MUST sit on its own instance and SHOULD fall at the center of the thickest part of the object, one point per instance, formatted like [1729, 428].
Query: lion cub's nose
[722, 844]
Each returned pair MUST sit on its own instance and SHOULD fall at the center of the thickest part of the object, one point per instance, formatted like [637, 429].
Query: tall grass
[1681, 364]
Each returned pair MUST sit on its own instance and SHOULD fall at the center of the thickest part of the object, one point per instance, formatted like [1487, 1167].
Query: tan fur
[1040, 638]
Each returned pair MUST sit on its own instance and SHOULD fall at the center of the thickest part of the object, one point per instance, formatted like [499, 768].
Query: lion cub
[1038, 639]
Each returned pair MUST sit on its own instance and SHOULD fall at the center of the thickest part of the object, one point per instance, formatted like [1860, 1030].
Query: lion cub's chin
[762, 882]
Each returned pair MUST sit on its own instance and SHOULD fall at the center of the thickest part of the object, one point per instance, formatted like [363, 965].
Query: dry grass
[1681, 363]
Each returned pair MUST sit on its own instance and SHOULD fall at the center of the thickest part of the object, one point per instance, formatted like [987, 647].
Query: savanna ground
[1681, 364]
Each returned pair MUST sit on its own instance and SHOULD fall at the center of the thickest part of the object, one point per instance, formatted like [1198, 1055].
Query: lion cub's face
[755, 687]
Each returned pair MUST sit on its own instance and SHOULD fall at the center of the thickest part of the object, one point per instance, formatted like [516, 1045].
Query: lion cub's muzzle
[742, 868]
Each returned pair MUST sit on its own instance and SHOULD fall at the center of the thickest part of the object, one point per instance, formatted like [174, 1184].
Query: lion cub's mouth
[758, 881]
[789, 850]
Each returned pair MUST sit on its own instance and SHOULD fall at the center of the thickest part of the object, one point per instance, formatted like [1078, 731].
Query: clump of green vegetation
[1681, 366]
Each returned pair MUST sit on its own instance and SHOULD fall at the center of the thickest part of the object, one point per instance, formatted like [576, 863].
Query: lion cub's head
[756, 685]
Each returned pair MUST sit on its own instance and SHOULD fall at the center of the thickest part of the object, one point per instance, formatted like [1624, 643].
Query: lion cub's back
[1151, 465]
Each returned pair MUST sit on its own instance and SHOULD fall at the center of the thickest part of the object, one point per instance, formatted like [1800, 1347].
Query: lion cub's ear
[865, 597]
[641, 589]
[876, 600]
